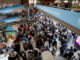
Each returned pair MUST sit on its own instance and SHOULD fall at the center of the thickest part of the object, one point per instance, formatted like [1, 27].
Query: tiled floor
[59, 58]
[56, 57]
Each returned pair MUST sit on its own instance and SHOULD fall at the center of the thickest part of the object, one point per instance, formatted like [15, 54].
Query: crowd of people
[41, 33]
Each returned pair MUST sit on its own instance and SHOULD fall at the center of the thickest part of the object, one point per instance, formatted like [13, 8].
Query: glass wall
[67, 3]
[76, 3]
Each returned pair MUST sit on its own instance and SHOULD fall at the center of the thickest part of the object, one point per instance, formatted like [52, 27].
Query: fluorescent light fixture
[66, 1]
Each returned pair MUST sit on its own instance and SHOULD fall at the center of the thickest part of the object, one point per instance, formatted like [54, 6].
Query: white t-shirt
[46, 44]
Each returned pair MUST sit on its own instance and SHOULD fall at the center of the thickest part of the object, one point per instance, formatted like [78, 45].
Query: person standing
[54, 45]
[23, 55]
[61, 51]
[46, 44]
[25, 39]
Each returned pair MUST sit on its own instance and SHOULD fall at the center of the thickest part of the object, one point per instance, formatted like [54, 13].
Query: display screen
[12, 27]
[10, 36]
[11, 31]
[78, 40]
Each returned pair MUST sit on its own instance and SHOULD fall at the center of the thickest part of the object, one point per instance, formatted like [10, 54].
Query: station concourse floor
[57, 55]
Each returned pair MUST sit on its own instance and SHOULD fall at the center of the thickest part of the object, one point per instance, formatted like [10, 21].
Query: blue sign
[9, 20]
[10, 9]
[7, 11]
[72, 18]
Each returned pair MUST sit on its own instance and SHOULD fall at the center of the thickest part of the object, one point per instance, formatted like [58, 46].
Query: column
[69, 3]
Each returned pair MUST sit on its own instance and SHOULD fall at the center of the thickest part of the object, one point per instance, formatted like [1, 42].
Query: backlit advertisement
[12, 27]
[10, 9]
[10, 20]
[10, 36]
[72, 18]
[78, 40]
[11, 32]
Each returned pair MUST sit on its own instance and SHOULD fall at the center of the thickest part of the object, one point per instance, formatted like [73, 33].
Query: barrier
[69, 17]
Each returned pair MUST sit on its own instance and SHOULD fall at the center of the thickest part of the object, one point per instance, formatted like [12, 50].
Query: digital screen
[12, 27]
[78, 40]
[10, 36]
[15, 27]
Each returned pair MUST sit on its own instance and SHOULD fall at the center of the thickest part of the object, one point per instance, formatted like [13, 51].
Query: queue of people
[40, 34]
[44, 32]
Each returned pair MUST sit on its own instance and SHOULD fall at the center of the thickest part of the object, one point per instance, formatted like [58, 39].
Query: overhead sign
[9, 20]
[10, 9]
[72, 18]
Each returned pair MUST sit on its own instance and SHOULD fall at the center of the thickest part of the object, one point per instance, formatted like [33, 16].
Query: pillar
[69, 3]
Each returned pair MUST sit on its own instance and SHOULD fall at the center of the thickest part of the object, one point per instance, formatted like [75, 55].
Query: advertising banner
[78, 40]
[10, 36]
[10, 9]
[12, 27]
[10, 20]
[72, 18]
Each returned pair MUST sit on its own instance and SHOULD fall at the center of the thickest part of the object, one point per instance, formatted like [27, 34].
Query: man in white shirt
[46, 44]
